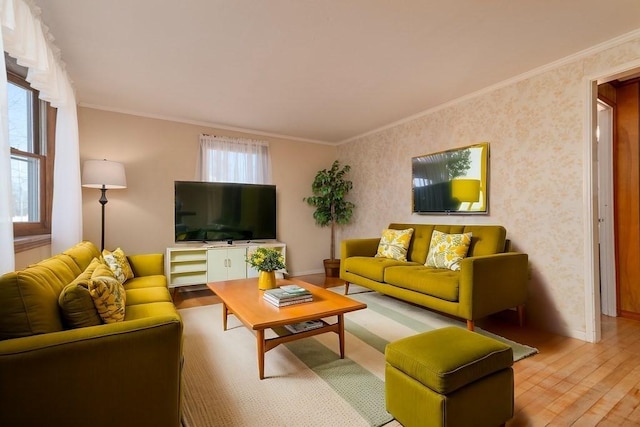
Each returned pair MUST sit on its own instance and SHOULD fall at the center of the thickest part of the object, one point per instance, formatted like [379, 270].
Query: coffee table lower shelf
[284, 335]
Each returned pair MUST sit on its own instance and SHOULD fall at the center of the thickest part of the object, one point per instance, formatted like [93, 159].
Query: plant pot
[267, 280]
[332, 267]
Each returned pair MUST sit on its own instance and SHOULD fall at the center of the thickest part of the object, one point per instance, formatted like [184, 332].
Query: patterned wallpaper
[535, 130]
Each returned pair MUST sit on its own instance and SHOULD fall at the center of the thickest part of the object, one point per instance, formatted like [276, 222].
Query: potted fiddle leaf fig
[329, 191]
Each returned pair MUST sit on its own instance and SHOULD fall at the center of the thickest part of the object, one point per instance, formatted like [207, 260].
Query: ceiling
[323, 70]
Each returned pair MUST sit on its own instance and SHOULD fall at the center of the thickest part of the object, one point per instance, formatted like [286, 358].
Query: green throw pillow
[76, 304]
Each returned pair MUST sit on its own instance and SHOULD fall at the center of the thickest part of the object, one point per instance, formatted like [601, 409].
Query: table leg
[225, 313]
[260, 339]
[341, 334]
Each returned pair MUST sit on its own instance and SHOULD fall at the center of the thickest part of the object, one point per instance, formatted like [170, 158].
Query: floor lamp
[104, 175]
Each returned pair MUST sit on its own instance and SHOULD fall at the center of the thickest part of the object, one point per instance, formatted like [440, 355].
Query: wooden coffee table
[243, 299]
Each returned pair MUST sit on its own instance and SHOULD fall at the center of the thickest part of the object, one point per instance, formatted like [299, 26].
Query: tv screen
[218, 211]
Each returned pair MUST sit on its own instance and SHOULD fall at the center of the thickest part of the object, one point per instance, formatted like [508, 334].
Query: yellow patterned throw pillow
[108, 295]
[447, 250]
[394, 244]
[119, 264]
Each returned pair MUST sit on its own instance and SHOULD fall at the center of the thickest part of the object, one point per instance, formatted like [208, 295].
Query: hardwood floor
[568, 383]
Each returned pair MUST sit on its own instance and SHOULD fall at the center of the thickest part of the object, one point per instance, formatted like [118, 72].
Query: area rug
[306, 383]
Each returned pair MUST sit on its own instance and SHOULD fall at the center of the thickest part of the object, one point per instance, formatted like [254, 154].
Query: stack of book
[287, 295]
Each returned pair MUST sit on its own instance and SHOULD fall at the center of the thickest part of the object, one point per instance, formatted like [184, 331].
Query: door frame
[593, 329]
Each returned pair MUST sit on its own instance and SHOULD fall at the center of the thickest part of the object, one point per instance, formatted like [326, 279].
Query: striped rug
[306, 383]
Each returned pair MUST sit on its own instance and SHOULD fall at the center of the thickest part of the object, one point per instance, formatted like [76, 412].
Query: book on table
[295, 290]
[284, 302]
[304, 326]
[283, 296]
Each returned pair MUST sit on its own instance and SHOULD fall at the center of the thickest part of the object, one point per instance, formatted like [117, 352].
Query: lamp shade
[103, 174]
[466, 190]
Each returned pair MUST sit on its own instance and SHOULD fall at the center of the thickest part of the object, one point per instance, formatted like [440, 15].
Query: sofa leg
[521, 315]
[346, 288]
[470, 325]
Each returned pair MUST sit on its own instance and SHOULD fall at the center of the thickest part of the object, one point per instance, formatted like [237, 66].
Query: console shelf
[197, 265]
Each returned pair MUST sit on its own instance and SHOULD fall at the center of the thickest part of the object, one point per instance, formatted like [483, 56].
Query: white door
[605, 210]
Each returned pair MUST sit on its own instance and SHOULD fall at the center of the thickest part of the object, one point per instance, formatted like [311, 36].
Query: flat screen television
[222, 211]
[451, 182]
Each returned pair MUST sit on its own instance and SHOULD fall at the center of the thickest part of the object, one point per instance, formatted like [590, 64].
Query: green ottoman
[449, 377]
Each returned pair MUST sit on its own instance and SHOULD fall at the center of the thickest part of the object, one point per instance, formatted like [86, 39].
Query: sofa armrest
[492, 283]
[125, 373]
[147, 264]
[359, 247]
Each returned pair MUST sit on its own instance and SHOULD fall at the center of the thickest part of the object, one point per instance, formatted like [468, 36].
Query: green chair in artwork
[449, 377]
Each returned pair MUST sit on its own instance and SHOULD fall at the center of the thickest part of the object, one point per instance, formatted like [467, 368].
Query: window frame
[43, 226]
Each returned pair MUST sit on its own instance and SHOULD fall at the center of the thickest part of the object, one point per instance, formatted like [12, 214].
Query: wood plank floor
[569, 383]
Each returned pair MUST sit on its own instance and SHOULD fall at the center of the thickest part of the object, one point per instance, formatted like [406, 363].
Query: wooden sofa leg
[470, 325]
[521, 315]
[346, 288]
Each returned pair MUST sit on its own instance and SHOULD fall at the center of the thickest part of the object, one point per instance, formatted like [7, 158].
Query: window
[31, 138]
[225, 159]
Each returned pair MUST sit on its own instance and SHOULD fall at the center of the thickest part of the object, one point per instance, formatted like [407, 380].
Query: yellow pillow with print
[447, 250]
[117, 261]
[394, 244]
[108, 295]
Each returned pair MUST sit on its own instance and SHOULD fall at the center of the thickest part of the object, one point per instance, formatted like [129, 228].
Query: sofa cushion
[139, 282]
[143, 311]
[30, 297]
[117, 261]
[487, 239]
[82, 254]
[108, 295]
[147, 295]
[449, 358]
[439, 283]
[394, 244]
[447, 250]
[371, 267]
[76, 303]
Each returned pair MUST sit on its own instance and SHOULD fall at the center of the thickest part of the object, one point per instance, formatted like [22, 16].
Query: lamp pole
[103, 201]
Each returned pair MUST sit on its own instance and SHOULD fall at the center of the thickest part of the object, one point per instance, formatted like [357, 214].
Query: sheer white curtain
[226, 159]
[25, 38]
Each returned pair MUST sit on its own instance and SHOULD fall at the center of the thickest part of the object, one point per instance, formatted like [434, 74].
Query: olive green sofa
[126, 373]
[491, 278]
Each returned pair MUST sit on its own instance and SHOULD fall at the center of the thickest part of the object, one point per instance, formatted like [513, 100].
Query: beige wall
[157, 152]
[535, 128]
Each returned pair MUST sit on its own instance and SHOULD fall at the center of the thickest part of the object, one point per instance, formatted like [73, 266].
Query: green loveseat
[126, 373]
[491, 279]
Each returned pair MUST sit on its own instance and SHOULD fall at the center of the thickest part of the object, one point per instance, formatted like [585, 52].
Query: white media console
[197, 264]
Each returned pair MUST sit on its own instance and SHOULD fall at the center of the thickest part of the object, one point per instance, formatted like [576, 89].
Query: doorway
[594, 256]
[617, 114]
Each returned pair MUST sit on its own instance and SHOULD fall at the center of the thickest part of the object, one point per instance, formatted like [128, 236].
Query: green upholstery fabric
[147, 295]
[372, 268]
[126, 373]
[449, 377]
[146, 282]
[146, 265]
[490, 280]
[449, 358]
[440, 283]
[489, 402]
[486, 240]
